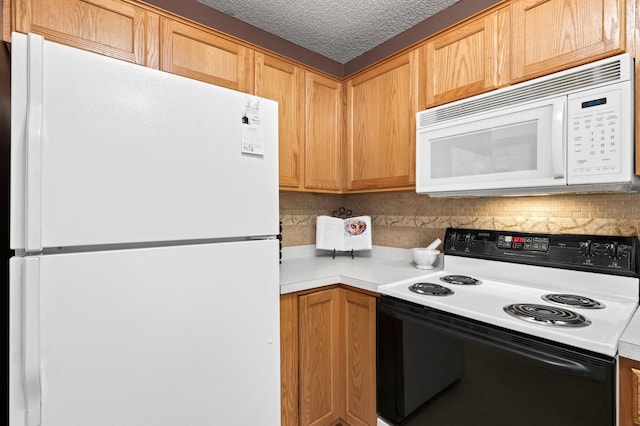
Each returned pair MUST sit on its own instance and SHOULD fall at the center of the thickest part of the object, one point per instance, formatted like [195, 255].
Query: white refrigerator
[144, 290]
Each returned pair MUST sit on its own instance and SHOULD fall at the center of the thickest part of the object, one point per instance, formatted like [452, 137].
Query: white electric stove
[492, 270]
[509, 314]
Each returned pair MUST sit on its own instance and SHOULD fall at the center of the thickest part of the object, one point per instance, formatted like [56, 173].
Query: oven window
[427, 376]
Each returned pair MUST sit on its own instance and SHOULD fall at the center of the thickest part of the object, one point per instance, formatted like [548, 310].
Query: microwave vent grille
[524, 92]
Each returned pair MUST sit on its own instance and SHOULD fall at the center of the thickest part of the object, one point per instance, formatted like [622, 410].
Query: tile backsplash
[406, 219]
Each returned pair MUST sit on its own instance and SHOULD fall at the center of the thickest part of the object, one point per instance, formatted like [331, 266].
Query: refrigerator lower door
[184, 335]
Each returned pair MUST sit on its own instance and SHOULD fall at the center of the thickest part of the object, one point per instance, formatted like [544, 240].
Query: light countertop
[629, 343]
[304, 267]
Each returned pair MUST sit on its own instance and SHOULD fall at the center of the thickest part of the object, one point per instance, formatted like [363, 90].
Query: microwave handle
[558, 139]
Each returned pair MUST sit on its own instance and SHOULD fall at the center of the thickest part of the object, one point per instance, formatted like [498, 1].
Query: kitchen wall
[406, 219]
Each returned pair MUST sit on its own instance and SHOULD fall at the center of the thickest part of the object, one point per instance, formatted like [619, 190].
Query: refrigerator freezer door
[184, 335]
[108, 152]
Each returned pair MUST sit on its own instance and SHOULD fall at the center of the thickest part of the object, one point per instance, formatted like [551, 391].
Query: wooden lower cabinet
[360, 360]
[328, 358]
[629, 392]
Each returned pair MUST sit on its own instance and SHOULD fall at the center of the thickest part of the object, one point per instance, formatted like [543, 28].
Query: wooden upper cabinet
[467, 60]
[323, 134]
[109, 27]
[202, 55]
[381, 108]
[549, 35]
[284, 82]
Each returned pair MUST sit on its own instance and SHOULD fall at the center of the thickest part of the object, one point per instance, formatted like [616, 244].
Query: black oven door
[438, 369]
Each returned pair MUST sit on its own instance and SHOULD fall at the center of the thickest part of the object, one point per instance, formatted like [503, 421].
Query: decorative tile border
[297, 220]
[597, 226]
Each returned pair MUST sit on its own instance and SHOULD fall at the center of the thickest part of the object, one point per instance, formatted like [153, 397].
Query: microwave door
[519, 147]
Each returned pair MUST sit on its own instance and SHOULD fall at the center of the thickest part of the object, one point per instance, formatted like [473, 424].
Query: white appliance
[529, 318]
[507, 283]
[572, 131]
[144, 211]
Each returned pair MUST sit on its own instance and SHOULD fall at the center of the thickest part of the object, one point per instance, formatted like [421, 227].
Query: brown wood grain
[381, 108]
[109, 27]
[551, 35]
[360, 364]
[323, 134]
[629, 402]
[320, 358]
[284, 82]
[468, 59]
[202, 55]
[289, 359]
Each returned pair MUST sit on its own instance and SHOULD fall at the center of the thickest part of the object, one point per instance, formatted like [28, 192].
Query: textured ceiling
[338, 29]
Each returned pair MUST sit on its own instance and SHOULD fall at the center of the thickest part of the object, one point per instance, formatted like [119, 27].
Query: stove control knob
[615, 251]
[468, 240]
[588, 249]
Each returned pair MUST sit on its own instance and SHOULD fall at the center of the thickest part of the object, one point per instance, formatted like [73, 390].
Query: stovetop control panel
[596, 253]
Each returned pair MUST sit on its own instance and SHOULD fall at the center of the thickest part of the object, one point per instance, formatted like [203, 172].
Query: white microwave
[572, 131]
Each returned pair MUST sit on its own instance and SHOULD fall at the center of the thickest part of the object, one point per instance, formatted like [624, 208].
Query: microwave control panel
[595, 133]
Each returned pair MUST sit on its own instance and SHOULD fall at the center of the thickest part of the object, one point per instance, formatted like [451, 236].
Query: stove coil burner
[431, 289]
[460, 280]
[573, 300]
[546, 315]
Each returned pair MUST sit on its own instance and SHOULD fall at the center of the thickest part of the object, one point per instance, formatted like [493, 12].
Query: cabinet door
[321, 363]
[629, 392]
[284, 82]
[360, 351]
[203, 55]
[381, 108]
[289, 359]
[549, 35]
[109, 27]
[323, 134]
[468, 60]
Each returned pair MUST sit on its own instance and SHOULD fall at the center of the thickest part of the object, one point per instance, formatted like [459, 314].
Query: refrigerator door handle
[31, 348]
[33, 239]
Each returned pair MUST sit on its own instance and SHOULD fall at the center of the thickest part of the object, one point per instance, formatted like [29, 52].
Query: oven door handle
[549, 360]
[500, 340]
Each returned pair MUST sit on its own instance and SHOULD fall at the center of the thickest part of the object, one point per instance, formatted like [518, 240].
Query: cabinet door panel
[289, 359]
[553, 34]
[382, 104]
[360, 375]
[113, 28]
[201, 55]
[284, 82]
[323, 134]
[321, 364]
[468, 60]
[629, 392]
